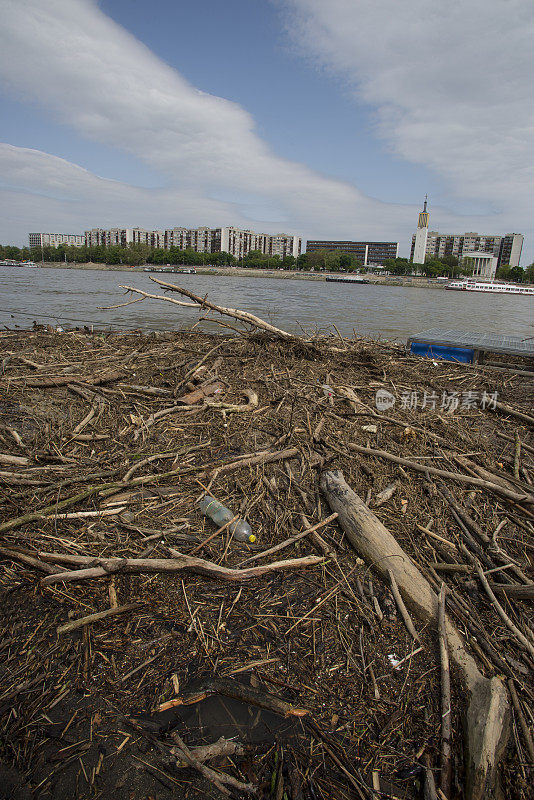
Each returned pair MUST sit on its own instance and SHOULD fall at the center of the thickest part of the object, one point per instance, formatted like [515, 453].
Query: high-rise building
[420, 241]
[231, 240]
[365, 252]
[98, 237]
[506, 250]
[56, 239]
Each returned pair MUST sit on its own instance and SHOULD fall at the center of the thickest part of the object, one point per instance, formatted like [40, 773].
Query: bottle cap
[252, 538]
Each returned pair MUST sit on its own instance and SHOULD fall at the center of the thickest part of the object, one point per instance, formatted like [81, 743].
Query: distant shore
[242, 272]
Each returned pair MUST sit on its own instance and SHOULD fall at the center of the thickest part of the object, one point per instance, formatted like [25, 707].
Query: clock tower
[421, 236]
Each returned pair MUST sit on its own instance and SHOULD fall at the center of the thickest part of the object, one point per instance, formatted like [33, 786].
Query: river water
[70, 297]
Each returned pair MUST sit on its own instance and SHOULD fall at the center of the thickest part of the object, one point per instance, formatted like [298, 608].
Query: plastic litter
[220, 515]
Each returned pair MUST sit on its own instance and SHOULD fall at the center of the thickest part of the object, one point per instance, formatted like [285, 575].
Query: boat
[490, 287]
[10, 262]
[347, 279]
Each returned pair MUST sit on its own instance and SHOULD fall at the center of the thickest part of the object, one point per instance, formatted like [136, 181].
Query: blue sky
[323, 119]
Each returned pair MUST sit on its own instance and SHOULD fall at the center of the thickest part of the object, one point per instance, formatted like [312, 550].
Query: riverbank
[240, 272]
[120, 599]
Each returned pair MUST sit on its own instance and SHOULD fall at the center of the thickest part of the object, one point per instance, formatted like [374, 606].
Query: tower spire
[421, 236]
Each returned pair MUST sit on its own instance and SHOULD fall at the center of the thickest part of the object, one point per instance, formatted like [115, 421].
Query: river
[70, 297]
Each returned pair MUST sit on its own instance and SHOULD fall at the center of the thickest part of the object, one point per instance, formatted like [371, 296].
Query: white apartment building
[506, 250]
[123, 236]
[231, 240]
[240, 242]
[56, 239]
[150, 238]
[198, 239]
[98, 237]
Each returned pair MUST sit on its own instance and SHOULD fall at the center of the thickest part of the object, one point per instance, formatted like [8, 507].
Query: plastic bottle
[220, 515]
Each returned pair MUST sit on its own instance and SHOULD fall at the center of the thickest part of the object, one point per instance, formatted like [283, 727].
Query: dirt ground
[80, 432]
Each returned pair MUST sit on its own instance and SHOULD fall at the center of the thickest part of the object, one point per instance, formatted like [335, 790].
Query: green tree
[517, 274]
[503, 273]
[398, 266]
[289, 262]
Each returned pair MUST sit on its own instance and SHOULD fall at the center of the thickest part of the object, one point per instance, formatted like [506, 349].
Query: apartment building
[201, 240]
[231, 240]
[506, 249]
[99, 237]
[56, 239]
[150, 238]
[365, 252]
[235, 241]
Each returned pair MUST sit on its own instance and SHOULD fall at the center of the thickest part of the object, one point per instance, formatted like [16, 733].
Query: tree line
[319, 260]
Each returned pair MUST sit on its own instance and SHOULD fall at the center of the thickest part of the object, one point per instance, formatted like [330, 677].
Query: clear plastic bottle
[220, 515]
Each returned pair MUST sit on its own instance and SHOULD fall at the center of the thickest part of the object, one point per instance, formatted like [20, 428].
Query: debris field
[136, 632]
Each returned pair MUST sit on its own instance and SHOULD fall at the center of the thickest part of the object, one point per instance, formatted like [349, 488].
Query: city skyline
[325, 122]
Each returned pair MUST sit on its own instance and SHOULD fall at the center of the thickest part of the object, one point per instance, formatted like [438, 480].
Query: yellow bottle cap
[252, 538]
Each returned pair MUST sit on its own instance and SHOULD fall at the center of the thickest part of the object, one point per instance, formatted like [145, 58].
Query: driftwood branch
[235, 313]
[488, 709]
[100, 567]
[291, 540]
[525, 643]
[442, 473]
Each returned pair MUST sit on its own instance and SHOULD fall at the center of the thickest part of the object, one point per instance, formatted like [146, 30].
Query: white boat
[490, 287]
[347, 279]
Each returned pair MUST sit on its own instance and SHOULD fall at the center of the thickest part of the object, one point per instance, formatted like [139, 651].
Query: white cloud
[450, 81]
[97, 78]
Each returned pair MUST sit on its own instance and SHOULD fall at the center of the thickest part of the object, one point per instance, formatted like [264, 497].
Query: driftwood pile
[375, 641]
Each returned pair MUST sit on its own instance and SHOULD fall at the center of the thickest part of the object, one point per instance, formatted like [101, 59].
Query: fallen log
[488, 710]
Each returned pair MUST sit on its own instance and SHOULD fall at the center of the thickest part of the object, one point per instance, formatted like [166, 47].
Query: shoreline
[243, 272]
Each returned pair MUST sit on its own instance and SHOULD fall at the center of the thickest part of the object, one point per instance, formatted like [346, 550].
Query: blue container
[444, 352]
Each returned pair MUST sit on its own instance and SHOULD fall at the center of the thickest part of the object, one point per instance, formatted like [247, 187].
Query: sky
[323, 119]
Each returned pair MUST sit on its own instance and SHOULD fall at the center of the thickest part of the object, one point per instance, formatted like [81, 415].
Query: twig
[109, 612]
[291, 540]
[217, 778]
[402, 608]
[442, 473]
[501, 612]
[446, 773]
[522, 721]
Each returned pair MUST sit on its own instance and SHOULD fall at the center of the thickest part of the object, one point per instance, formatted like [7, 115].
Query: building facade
[505, 249]
[365, 252]
[99, 237]
[231, 240]
[56, 239]
[484, 265]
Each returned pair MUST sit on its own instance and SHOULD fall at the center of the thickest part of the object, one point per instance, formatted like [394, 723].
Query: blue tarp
[442, 351]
